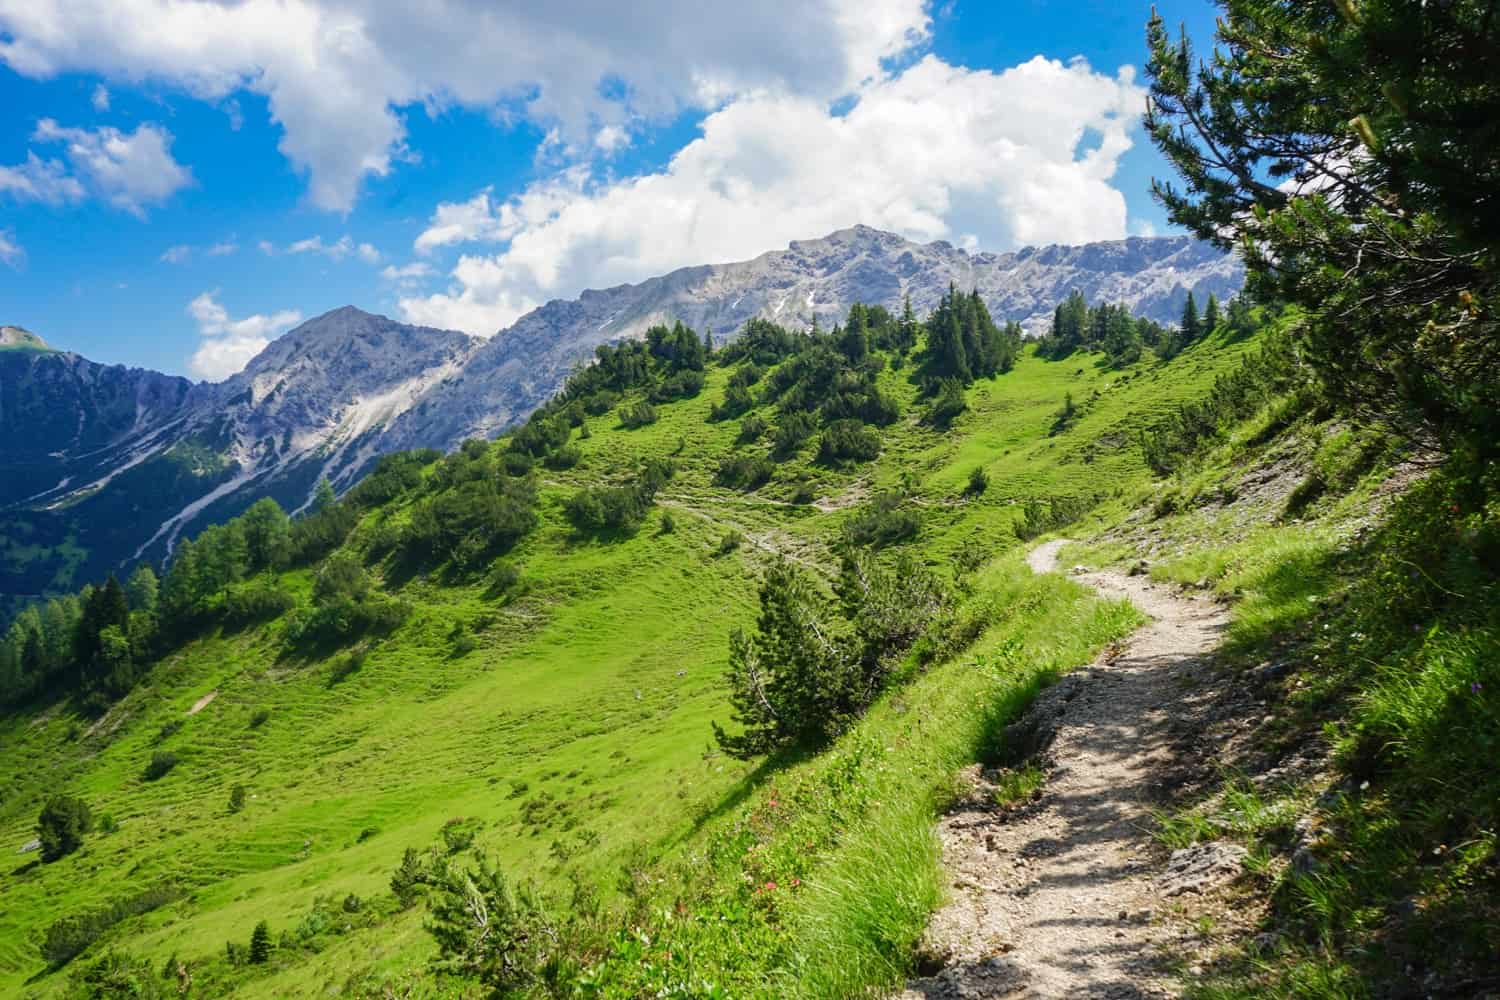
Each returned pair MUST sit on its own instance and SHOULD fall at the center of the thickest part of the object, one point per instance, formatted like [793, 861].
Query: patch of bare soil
[203, 702]
[1068, 895]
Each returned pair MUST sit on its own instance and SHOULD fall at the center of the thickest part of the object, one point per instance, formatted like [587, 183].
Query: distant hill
[109, 464]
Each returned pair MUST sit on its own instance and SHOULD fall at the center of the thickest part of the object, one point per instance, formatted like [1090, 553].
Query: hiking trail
[1065, 896]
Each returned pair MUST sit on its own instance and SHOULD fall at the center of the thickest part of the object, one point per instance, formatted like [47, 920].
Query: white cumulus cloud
[46, 181]
[408, 274]
[100, 98]
[1023, 156]
[176, 254]
[130, 170]
[228, 344]
[338, 75]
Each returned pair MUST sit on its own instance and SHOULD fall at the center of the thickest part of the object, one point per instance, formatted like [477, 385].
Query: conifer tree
[1189, 326]
[260, 944]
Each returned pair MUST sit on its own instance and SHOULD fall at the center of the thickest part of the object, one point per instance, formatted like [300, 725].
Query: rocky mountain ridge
[109, 464]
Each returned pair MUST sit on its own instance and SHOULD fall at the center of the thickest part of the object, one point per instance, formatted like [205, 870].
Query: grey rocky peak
[521, 366]
[130, 461]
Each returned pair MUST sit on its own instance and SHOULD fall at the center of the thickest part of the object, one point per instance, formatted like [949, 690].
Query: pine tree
[1211, 315]
[1347, 152]
[143, 589]
[323, 496]
[260, 943]
[1190, 326]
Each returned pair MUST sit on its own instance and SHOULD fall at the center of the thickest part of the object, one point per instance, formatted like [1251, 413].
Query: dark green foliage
[679, 385]
[541, 434]
[882, 521]
[61, 825]
[258, 717]
[813, 666]
[117, 976]
[948, 404]
[731, 542]
[409, 878]
[68, 936]
[470, 522]
[346, 666]
[1108, 328]
[600, 403]
[1066, 415]
[161, 762]
[563, 458]
[168, 730]
[393, 476]
[1039, 517]
[847, 441]
[237, 798]
[143, 589]
[793, 431]
[1349, 153]
[260, 944]
[637, 415]
[667, 523]
[1266, 375]
[256, 602]
[608, 509]
[751, 429]
[737, 400]
[979, 481]
[745, 472]
[964, 343]
[486, 930]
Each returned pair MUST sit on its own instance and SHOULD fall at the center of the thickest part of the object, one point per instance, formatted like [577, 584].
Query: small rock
[1200, 867]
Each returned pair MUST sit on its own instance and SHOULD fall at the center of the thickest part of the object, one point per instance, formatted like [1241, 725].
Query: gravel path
[1060, 898]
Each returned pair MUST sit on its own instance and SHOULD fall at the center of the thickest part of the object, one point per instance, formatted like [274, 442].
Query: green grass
[593, 685]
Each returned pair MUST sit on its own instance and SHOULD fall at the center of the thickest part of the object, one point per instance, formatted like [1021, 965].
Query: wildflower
[796, 882]
[770, 886]
[1476, 687]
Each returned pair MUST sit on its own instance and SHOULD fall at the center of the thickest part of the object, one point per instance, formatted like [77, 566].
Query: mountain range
[107, 465]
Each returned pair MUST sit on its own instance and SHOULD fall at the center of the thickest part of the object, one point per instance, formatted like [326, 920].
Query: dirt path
[1060, 898]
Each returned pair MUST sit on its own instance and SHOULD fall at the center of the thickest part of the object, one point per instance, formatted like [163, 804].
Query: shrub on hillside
[745, 472]
[508, 948]
[159, 765]
[979, 481]
[882, 521]
[638, 415]
[948, 403]
[61, 825]
[752, 428]
[69, 936]
[847, 441]
[1039, 517]
[563, 458]
[260, 944]
[793, 431]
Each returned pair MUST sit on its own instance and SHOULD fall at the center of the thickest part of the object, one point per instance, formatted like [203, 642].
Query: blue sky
[175, 191]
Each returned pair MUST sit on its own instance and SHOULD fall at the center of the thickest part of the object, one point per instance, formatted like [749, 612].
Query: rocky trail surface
[1066, 895]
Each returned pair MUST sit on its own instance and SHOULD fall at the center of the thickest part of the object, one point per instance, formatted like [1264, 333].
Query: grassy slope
[597, 686]
[1373, 608]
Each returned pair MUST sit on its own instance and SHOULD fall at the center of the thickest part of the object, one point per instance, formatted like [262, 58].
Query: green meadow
[565, 724]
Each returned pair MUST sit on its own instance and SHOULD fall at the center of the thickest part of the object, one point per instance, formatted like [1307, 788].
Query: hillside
[112, 465]
[564, 716]
[521, 656]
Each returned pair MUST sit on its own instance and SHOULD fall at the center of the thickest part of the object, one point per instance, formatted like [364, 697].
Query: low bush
[745, 472]
[159, 765]
[847, 441]
[69, 936]
[882, 521]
